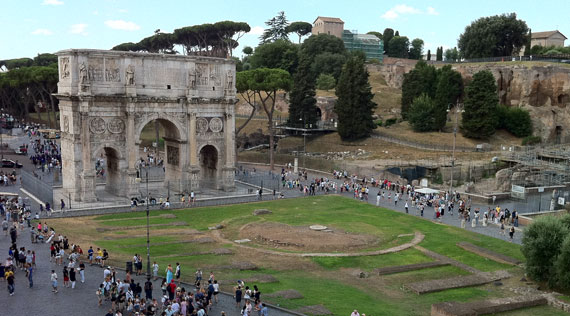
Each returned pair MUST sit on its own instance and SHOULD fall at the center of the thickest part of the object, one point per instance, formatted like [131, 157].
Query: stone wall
[542, 89]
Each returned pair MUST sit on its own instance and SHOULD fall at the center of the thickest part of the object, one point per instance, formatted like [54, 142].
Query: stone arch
[209, 159]
[563, 99]
[171, 125]
[114, 166]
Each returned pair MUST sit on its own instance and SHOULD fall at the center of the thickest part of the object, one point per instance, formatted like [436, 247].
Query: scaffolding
[371, 45]
[539, 166]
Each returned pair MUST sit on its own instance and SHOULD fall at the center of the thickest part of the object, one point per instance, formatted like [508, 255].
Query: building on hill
[371, 45]
[546, 39]
[327, 25]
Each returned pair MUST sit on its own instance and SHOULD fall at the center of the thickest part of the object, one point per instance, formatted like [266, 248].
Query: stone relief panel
[216, 124]
[201, 125]
[216, 75]
[112, 72]
[202, 74]
[66, 124]
[64, 71]
[95, 71]
[97, 125]
[116, 126]
[173, 155]
[130, 75]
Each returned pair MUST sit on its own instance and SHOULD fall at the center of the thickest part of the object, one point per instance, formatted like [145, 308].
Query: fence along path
[426, 146]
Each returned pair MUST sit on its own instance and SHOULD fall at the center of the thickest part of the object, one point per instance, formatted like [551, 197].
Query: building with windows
[326, 25]
[371, 45]
[546, 39]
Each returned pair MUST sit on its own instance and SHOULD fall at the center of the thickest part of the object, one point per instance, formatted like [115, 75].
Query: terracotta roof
[327, 19]
[545, 34]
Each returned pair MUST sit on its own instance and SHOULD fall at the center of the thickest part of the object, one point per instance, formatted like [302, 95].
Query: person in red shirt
[171, 289]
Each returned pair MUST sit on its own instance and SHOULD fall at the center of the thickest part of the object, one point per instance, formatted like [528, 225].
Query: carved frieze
[201, 125]
[172, 155]
[64, 68]
[216, 124]
[202, 74]
[97, 125]
[116, 126]
[66, 124]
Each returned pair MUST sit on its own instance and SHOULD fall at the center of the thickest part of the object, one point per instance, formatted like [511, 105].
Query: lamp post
[304, 139]
[147, 227]
[458, 109]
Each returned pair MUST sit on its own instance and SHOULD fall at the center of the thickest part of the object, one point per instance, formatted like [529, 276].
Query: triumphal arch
[107, 97]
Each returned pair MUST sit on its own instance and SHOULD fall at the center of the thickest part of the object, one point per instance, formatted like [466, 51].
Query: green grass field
[333, 282]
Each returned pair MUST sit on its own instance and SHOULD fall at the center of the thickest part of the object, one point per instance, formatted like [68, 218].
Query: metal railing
[425, 144]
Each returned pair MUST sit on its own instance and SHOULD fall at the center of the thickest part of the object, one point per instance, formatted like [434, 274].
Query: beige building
[326, 25]
[550, 38]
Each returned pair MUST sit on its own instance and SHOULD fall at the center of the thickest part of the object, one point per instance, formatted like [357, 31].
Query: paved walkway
[82, 300]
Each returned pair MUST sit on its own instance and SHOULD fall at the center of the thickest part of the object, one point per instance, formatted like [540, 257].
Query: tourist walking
[177, 274]
[168, 274]
[155, 270]
[9, 276]
[30, 272]
[53, 279]
[237, 296]
[512, 233]
[82, 271]
[72, 277]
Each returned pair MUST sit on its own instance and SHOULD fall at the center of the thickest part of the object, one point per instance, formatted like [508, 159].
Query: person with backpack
[148, 289]
[9, 276]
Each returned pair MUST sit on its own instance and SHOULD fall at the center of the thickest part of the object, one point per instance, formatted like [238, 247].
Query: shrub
[541, 247]
[378, 122]
[374, 61]
[562, 264]
[325, 82]
[515, 120]
[531, 140]
[390, 121]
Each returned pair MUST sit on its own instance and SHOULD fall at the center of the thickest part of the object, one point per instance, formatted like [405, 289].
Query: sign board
[423, 182]
[518, 192]
[561, 201]
[540, 189]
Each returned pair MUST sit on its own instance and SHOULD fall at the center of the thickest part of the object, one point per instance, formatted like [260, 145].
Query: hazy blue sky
[37, 26]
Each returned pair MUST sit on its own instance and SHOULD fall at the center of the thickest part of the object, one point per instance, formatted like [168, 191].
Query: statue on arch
[130, 75]
[229, 80]
[83, 73]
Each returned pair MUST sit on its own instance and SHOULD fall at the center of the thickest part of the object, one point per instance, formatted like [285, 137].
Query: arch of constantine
[107, 97]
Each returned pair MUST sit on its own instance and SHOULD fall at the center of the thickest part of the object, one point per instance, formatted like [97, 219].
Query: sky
[46, 26]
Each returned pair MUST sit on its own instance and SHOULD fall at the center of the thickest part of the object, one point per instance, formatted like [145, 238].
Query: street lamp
[458, 109]
[304, 135]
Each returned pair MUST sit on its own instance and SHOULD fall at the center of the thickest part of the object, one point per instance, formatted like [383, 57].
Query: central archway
[209, 166]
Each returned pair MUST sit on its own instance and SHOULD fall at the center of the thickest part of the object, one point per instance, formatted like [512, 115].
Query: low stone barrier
[487, 253]
[409, 267]
[490, 306]
[431, 286]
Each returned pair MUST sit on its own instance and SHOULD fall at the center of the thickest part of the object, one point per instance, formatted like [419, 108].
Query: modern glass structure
[371, 45]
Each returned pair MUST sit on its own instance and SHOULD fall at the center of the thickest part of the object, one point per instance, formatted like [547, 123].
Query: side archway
[209, 166]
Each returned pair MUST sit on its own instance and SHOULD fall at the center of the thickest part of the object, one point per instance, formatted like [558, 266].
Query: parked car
[22, 150]
[8, 163]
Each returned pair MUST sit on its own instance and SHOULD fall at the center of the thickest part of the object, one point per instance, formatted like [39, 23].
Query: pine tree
[481, 100]
[397, 33]
[448, 91]
[354, 105]
[421, 79]
[277, 29]
[429, 55]
[422, 114]
[302, 102]
[439, 54]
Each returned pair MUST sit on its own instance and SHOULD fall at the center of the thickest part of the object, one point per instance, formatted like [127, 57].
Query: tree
[354, 105]
[279, 54]
[377, 34]
[452, 54]
[417, 48]
[439, 54]
[399, 46]
[277, 29]
[562, 264]
[428, 55]
[317, 54]
[265, 83]
[299, 28]
[422, 79]
[448, 91]
[422, 114]
[328, 63]
[541, 247]
[515, 120]
[397, 33]
[128, 47]
[247, 50]
[325, 82]
[387, 36]
[45, 59]
[494, 36]
[158, 43]
[481, 100]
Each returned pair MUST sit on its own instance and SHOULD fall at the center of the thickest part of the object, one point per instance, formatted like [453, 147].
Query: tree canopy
[417, 49]
[398, 47]
[494, 36]
[276, 29]
[387, 36]
[300, 28]
[422, 79]
[354, 105]
[279, 54]
[481, 100]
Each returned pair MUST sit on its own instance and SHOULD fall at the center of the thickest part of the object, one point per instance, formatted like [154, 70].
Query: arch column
[228, 170]
[132, 187]
[88, 184]
[194, 163]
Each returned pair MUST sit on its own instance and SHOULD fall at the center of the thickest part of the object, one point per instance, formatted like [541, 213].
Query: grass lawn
[333, 282]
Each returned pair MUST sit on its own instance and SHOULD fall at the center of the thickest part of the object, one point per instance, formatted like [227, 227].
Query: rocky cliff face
[543, 90]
